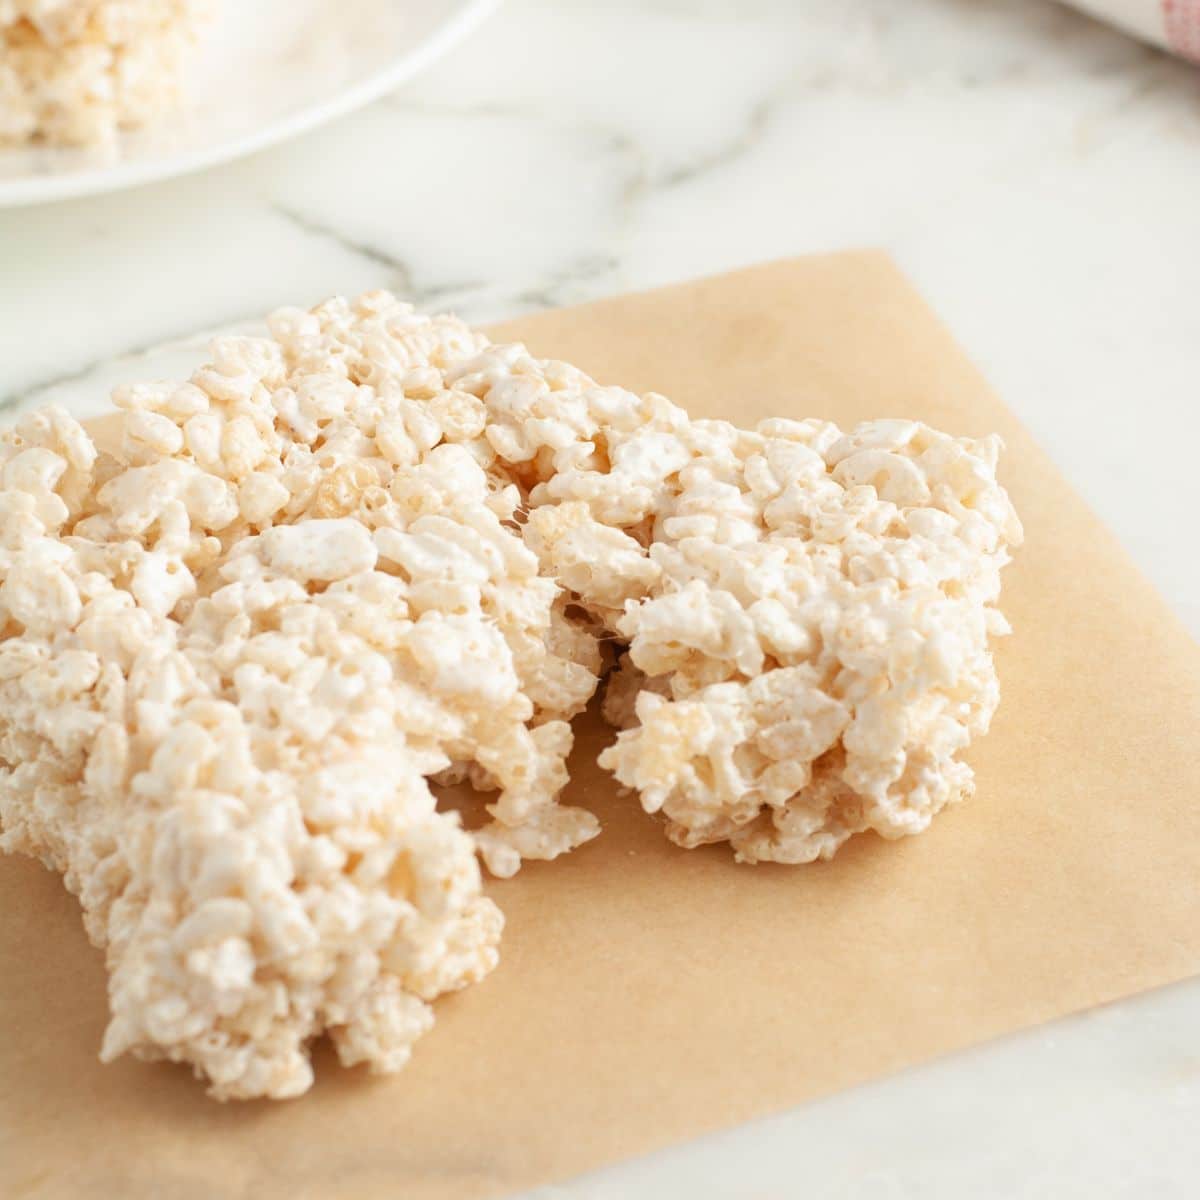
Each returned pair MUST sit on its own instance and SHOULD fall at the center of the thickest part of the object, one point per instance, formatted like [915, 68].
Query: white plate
[266, 70]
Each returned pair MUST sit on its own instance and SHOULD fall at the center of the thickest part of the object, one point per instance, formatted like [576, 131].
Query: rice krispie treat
[78, 71]
[813, 655]
[231, 654]
[374, 549]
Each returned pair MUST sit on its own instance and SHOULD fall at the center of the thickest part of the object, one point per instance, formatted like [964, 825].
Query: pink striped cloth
[1174, 24]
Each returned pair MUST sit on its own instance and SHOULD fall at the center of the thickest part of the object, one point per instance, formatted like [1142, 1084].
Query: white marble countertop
[1036, 174]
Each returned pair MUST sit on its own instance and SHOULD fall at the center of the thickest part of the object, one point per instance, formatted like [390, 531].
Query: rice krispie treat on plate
[77, 72]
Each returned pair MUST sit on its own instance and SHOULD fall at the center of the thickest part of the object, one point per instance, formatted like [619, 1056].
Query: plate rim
[97, 181]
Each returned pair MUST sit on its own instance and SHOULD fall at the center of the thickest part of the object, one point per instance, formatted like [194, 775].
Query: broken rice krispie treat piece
[230, 654]
[78, 71]
[815, 647]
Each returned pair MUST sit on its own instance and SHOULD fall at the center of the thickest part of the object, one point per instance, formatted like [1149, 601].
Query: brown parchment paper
[647, 994]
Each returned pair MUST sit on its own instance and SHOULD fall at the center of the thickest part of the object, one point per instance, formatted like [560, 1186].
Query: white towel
[1174, 24]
